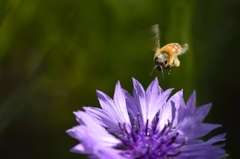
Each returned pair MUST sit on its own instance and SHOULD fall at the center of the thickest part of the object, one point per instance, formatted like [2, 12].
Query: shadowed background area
[55, 54]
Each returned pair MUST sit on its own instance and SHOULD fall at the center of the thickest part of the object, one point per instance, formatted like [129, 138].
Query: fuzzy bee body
[166, 57]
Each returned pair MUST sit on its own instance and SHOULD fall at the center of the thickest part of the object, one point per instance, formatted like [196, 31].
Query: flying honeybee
[166, 57]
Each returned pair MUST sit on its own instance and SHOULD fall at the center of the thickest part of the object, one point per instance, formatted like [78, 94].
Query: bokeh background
[55, 54]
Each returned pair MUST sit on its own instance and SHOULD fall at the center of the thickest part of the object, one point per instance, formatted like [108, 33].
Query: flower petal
[191, 104]
[204, 149]
[159, 104]
[152, 93]
[86, 133]
[120, 103]
[107, 153]
[217, 138]
[92, 127]
[139, 96]
[167, 110]
[108, 105]
[193, 129]
[102, 118]
[201, 112]
[115, 113]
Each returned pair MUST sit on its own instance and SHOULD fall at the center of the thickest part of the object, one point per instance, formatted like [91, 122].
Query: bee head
[160, 63]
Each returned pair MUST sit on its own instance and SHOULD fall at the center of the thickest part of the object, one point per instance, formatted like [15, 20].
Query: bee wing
[184, 48]
[155, 33]
[149, 38]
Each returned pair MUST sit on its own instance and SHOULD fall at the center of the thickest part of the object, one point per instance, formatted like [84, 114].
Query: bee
[166, 57]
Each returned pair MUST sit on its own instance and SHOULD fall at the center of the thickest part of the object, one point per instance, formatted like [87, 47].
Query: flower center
[141, 141]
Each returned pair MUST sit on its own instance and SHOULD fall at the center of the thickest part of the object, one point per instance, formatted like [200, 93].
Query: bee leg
[169, 71]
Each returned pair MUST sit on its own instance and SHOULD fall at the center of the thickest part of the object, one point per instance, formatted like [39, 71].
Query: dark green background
[55, 54]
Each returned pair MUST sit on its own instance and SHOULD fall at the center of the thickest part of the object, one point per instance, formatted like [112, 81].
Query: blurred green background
[55, 54]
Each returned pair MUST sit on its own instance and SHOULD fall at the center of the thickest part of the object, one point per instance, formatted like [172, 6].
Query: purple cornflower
[147, 125]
